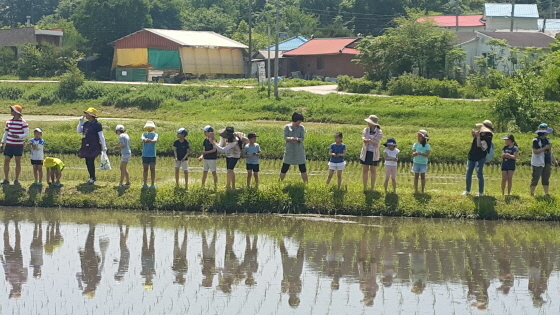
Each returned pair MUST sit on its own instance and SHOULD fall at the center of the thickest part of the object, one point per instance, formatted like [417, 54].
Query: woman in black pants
[93, 141]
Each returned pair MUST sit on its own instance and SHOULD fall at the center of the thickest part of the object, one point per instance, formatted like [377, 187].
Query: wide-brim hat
[372, 119]
[17, 108]
[424, 133]
[390, 141]
[150, 124]
[91, 111]
[486, 126]
[49, 162]
[228, 132]
[543, 128]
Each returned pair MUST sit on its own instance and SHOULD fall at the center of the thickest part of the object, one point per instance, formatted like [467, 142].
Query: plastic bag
[105, 163]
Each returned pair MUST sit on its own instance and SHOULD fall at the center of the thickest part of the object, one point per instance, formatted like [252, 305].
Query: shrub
[144, 100]
[360, 85]
[410, 84]
[70, 81]
[49, 97]
[92, 91]
[37, 91]
[10, 92]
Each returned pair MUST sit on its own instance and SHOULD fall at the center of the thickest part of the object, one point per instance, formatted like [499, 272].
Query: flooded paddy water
[61, 261]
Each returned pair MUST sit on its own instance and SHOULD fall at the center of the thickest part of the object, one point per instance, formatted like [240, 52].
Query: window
[320, 64]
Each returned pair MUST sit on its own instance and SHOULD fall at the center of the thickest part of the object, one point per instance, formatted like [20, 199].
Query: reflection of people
[230, 274]
[53, 238]
[93, 141]
[180, 262]
[208, 260]
[476, 281]
[12, 260]
[388, 262]
[539, 272]
[90, 275]
[124, 261]
[335, 258]
[148, 258]
[36, 249]
[418, 270]
[367, 271]
[506, 277]
[250, 263]
[292, 268]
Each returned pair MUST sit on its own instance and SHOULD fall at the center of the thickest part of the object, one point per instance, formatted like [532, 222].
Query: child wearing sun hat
[54, 168]
[391, 156]
[149, 139]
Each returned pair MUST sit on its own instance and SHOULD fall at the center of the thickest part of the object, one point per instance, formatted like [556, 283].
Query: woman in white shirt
[231, 145]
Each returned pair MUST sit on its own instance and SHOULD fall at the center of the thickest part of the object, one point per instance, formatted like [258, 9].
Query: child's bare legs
[304, 177]
[339, 178]
[7, 161]
[394, 182]
[416, 176]
[124, 173]
[58, 175]
[38, 173]
[423, 180]
[145, 174]
[215, 175]
[249, 176]
[204, 175]
[153, 174]
[256, 175]
[48, 176]
[177, 171]
[510, 181]
[186, 179]
[504, 181]
[18, 167]
[331, 173]
[386, 183]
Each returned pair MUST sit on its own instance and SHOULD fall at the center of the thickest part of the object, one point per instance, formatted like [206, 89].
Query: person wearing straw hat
[481, 144]
[13, 142]
[542, 159]
[149, 140]
[369, 156]
[93, 141]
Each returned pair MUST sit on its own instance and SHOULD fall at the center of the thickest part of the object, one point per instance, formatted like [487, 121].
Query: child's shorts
[419, 168]
[184, 165]
[253, 167]
[126, 158]
[55, 168]
[148, 160]
[36, 162]
[337, 166]
[391, 171]
[209, 165]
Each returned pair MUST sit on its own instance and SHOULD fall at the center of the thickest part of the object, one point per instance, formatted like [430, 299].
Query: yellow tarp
[135, 57]
[199, 61]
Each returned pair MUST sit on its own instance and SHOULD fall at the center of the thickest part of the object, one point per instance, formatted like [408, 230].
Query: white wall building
[498, 17]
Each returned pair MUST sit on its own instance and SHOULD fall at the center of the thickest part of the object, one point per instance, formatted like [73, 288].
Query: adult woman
[294, 153]
[369, 157]
[231, 145]
[93, 141]
[481, 144]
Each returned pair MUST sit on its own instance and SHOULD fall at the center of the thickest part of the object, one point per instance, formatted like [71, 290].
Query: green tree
[208, 19]
[242, 35]
[166, 14]
[72, 38]
[15, 12]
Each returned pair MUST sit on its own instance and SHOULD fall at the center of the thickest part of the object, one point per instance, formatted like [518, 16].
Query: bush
[10, 92]
[361, 85]
[70, 81]
[92, 91]
[37, 91]
[49, 97]
[144, 100]
[410, 84]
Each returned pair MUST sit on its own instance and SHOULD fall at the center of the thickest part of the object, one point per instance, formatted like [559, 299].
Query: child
[337, 151]
[12, 142]
[509, 156]
[181, 151]
[126, 153]
[150, 139]
[420, 153]
[542, 159]
[252, 152]
[390, 155]
[231, 145]
[54, 168]
[37, 155]
[210, 155]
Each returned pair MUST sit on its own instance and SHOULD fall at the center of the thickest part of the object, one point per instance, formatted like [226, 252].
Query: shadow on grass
[296, 194]
[370, 196]
[148, 198]
[12, 194]
[512, 198]
[121, 190]
[422, 198]
[338, 195]
[485, 207]
[87, 188]
[51, 192]
[392, 201]
[546, 199]
[32, 193]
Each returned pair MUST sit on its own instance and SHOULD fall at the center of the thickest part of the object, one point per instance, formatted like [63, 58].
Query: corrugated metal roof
[450, 20]
[465, 37]
[324, 46]
[263, 54]
[504, 10]
[191, 38]
[522, 39]
[289, 44]
[551, 24]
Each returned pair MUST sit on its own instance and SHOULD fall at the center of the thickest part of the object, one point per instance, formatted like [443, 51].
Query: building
[461, 23]
[327, 57]
[17, 37]
[497, 16]
[150, 53]
[284, 63]
[549, 26]
[476, 44]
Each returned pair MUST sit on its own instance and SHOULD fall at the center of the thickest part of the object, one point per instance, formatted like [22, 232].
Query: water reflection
[276, 265]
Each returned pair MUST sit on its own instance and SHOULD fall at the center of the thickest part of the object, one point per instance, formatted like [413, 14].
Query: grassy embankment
[249, 110]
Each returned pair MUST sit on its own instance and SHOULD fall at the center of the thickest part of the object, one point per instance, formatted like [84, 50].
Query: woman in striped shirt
[13, 141]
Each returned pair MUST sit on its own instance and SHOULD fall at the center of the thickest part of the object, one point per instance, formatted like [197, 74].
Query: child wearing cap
[15, 132]
[37, 155]
[542, 159]
[181, 150]
[391, 157]
[149, 139]
[126, 153]
[54, 168]
[209, 155]
[420, 152]
[509, 156]
[337, 151]
[252, 152]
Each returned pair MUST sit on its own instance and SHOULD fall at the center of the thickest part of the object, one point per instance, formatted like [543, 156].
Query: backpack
[490, 154]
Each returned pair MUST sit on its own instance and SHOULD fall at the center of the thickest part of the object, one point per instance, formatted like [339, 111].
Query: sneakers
[57, 185]
[90, 181]
[144, 186]
[16, 182]
[153, 186]
[465, 193]
[479, 195]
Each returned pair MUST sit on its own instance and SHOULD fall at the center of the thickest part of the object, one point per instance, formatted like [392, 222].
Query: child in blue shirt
[337, 151]
[420, 152]
[252, 152]
[509, 156]
[149, 139]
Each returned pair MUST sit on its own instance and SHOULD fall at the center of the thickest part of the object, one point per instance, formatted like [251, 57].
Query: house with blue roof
[498, 17]
[284, 64]
[289, 44]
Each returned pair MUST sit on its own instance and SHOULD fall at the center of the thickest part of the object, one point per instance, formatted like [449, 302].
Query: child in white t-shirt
[37, 155]
[391, 154]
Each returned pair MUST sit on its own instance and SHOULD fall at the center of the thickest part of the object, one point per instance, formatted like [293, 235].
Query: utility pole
[268, 59]
[512, 15]
[456, 15]
[276, 52]
[250, 40]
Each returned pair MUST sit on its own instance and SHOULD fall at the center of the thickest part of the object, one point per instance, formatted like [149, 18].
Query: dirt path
[55, 118]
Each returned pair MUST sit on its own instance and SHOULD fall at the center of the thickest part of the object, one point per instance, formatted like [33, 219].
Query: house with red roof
[327, 57]
[461, 23]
